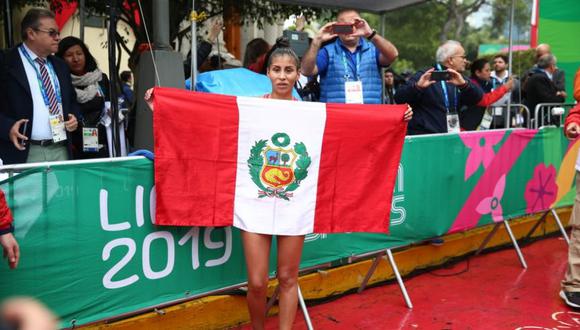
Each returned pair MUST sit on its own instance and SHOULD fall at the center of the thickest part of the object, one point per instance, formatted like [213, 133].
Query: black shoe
[572, 299]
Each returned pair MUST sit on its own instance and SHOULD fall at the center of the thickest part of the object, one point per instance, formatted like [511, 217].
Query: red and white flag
[274, 167]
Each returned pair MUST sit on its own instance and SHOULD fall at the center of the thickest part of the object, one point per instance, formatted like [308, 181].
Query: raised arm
[308, 66]
[388, 51]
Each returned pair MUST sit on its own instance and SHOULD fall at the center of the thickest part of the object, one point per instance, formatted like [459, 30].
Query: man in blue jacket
[349, 67]
[436, 103]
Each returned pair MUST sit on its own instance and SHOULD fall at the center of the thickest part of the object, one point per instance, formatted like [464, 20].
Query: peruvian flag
[274, 167]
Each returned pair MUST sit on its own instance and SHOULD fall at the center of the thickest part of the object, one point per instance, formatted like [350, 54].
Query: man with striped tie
[38, 108]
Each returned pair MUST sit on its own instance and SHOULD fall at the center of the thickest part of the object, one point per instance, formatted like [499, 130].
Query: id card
[519, 119]
[57, 128]
[452, 122]
[90, 139]
[486, 121]
[353, 91]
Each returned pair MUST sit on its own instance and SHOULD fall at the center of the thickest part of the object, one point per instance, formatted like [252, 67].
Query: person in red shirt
[7, 240]
[471, 118]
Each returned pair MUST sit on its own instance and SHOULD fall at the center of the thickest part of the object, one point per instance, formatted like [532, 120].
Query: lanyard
[346, 69]
[39, 78]
[446, 95]
[102, 94]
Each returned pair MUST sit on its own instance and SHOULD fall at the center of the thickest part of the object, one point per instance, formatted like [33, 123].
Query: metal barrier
[540, 112]
[507, 116]
[521, 107]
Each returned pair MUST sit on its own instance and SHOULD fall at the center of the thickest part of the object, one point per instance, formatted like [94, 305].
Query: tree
[415, 32]
[499, 20]
[418, 30]
[457, 13]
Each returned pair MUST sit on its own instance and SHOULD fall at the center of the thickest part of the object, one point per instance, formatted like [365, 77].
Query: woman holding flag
[283, 71]
[257, 226]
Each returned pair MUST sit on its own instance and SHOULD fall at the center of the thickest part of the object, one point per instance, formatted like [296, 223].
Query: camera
[298, 41]
[440, 75]
[342, 28]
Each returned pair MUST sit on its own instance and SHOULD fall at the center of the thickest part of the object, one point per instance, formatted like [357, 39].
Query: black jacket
[540, 89]
[16, 101]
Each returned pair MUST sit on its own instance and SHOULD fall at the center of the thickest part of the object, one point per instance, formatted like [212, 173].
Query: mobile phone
[342, 28]
[440, 75]
[23, 128]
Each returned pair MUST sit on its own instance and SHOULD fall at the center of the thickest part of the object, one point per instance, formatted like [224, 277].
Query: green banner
[559, 24]
[90, 249]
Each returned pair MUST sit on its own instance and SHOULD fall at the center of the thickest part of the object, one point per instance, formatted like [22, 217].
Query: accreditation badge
[353, 91]
[452, 122]
[519, 120]
[57, 127]
[90, 139]
[486, 120]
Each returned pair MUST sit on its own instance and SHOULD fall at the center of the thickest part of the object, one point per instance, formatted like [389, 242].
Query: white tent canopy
[364, 5]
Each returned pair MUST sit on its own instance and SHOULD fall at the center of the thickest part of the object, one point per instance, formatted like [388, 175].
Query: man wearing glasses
[38, 111]
[437, 94]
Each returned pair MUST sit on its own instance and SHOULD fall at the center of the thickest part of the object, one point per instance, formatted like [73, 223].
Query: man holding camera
[437, 94]
[349, 67]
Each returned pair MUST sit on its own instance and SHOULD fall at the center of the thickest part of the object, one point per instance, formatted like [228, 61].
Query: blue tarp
[238, 82]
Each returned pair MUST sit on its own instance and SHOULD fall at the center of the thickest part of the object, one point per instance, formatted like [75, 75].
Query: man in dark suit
[540, 86]
[38, 108]
[559, 76]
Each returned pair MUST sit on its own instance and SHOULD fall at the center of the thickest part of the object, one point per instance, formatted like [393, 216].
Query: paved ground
[490, 291]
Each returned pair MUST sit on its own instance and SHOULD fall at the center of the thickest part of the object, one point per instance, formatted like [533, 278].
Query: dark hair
[284, 51]
[32, 20]
[478, 65]
[502, 56]
[125, 76]
[281, 42]
[346, 10]
[68, 42]
[254, 49]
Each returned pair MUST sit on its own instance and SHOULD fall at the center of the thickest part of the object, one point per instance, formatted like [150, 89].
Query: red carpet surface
[490, 291]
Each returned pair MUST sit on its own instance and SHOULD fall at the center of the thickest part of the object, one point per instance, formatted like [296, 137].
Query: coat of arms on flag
[276, 169]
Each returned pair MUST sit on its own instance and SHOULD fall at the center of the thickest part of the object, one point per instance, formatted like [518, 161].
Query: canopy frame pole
[510, 59]
[193, 46]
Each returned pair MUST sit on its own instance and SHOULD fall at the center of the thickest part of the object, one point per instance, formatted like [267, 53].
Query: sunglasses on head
[52, 32]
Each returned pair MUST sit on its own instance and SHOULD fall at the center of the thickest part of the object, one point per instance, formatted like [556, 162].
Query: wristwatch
[369, 38]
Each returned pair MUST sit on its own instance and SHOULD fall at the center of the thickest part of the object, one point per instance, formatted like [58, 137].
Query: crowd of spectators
[341, 66]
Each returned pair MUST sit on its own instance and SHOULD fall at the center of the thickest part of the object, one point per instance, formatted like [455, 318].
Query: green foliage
[415, 31]
[522, 61]
[403, 65]
[500, 17]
